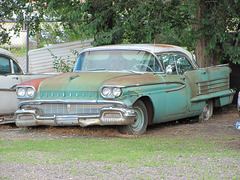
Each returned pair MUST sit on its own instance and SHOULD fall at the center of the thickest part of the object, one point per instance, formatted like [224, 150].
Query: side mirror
[169, 69]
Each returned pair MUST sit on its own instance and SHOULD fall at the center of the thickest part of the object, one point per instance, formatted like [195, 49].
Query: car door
[191, 77]
[9, 72]
[176, 93]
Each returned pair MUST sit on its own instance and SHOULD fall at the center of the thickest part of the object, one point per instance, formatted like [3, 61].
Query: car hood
[88, 81]
[87, 84]
[91, 81]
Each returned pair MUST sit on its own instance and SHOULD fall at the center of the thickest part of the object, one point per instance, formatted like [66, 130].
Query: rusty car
[131, 86]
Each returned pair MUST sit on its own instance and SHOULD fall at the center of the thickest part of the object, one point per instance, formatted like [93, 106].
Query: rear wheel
[207, 111]
[140, 125]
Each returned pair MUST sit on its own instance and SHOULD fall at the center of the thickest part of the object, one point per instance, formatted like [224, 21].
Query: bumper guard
[107, 116]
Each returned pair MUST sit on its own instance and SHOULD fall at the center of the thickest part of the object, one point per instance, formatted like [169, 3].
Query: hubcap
[207, 111]
[137, 126]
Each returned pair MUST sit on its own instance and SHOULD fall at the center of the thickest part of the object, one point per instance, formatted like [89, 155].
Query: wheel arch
[149, 105]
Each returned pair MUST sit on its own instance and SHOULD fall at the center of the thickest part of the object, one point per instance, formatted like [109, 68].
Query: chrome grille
[211, 86]
[65, 109]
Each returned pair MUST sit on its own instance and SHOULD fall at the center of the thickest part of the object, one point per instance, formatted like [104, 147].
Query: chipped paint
[34, 82]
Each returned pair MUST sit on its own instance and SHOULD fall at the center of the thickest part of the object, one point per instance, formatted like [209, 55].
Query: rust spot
[133, 79]
[162, 45]
[33, 82]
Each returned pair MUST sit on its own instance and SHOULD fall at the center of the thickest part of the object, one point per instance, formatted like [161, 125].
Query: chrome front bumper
[107, 116]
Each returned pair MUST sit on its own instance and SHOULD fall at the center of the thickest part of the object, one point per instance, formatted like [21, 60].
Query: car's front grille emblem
[68, 108]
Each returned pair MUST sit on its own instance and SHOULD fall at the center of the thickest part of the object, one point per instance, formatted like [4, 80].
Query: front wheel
[140, 125]
[207, 111]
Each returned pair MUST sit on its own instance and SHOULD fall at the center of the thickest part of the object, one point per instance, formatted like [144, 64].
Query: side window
[5, 67]
[183, 64]
[153, 64]
[17, 69]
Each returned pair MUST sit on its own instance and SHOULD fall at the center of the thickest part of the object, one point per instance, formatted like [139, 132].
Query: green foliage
[51, 33]
[64, 65]
[219, 24]
[21, 52]
[130, 21]
[69, 16]
[24, 12]
[136, 21]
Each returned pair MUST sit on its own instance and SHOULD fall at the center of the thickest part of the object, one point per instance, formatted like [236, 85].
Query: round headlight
[30, 92]
[21, 92]
[116, 92]
[106, 91]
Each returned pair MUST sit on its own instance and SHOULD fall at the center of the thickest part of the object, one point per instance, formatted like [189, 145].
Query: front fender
[154, 92]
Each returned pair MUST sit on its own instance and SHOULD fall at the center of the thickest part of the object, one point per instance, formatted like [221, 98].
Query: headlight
[106, 91]
[21, 92]
[25, 92]
[111, 91]
[30, 92]
[116, 92]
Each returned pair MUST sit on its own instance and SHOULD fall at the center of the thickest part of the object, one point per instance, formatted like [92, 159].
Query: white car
[11, 74]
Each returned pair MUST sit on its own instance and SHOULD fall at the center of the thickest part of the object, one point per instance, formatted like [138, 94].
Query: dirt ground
[221, 124]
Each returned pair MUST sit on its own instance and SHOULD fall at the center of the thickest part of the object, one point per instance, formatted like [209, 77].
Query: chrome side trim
[212, 92]
[183, 85]
[213, 80]
[213, 85]
[176, 89]
[148, 84]
[8, 90]
[157, 83]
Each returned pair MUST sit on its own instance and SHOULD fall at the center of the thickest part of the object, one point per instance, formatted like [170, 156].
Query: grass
[20, 52]
[152, 152]
[110, 150]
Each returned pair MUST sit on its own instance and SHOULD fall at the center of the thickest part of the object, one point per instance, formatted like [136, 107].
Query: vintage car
[11, 74]
[131, 86]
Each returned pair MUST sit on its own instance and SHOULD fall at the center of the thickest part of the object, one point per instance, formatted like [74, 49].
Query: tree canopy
[211, 27]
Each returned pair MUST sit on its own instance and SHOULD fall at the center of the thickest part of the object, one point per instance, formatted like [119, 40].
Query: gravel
[200, 166]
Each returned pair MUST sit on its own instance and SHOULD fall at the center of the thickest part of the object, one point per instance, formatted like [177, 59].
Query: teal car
[131, 86]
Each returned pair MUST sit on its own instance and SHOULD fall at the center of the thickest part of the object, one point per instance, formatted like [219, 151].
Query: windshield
[117, 60]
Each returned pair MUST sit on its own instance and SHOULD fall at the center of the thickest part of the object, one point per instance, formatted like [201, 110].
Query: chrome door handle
[15, 78]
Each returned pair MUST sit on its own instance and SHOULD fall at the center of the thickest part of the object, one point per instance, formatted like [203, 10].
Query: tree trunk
[202, 59]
